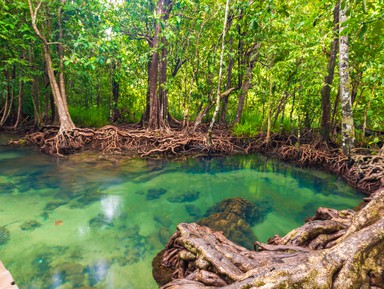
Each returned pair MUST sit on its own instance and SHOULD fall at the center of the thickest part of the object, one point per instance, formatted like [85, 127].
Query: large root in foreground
[334, 249]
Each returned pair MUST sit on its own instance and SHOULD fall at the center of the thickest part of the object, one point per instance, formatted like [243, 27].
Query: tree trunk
[246, 84]
[268, 136]
[367, 108]
[209, 138]
[291, 112]
[61, 56]
[163, 93]
[334, 249]
[8, 102]
[328, 80]
[347, 125]
[66, 123]
[224, 102]
[115, 90]
[156, 114]
[334, 112]
[208, 107]
[19, 104]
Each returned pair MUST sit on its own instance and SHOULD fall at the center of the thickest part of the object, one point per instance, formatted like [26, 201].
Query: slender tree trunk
[115, 92]
[36, 103]
[35, 95]
[204, 111]
[20, 99]
[268, 137]
[163, 93]
[291, 113]
[246, 84]
[282, 118]
[7, 99]
[347, 127]
[335, 110]
[195, 77]
[61, 56]
[209, 138]
[328, 80]
[223, 111]
[154, 106]
[19, 104]
[98, 93]
[65, 120]
[367, 109]
[66, 123]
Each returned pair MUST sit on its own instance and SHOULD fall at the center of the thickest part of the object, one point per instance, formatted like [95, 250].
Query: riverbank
[363, 169]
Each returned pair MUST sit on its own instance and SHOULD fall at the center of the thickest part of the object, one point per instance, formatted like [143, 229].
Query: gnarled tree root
[111, 139]
[350, 254]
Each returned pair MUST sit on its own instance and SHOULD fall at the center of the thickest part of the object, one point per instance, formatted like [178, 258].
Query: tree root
[110, 139]
[350, 255]
[364, 171]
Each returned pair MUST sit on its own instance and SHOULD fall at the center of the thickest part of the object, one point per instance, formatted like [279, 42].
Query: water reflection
[111, 207]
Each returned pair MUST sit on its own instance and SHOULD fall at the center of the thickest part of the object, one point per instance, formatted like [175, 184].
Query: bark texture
[328, 80]
[210, 130]
[347, 125]
[334, 249]
[57, 87]
[156, 115]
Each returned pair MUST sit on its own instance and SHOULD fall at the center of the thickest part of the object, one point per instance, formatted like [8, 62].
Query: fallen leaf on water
[59, 222]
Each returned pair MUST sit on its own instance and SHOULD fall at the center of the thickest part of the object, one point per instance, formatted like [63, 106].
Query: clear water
[98, 223]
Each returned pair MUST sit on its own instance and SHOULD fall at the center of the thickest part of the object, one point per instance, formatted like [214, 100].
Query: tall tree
[209, 139]
[347, 125]
[328, 79]
[57, 85]
[156, 114]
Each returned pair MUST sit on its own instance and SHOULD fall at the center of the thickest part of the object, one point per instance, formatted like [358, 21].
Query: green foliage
[110, 41]
[251, 124]
[90, 117]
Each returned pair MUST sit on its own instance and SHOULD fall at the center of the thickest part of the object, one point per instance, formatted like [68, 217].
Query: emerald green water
[99, 224]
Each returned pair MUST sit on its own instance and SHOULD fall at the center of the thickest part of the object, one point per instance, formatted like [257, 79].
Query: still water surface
[97, 224]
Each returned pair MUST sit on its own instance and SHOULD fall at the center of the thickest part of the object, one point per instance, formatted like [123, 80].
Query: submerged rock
[70, 272]
[233, 227]
[7, 188]
[100, 222]
[30, 225]
[242, 208]
[234, 218]
[193, 211]
[164, 221]
[188, 196]
[4, 235]
[85, 200]
[53, 205]
[154, 194]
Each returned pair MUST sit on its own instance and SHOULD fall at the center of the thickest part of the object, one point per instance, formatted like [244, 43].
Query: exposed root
[364, 170]
[145, 143]
[347, 254]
